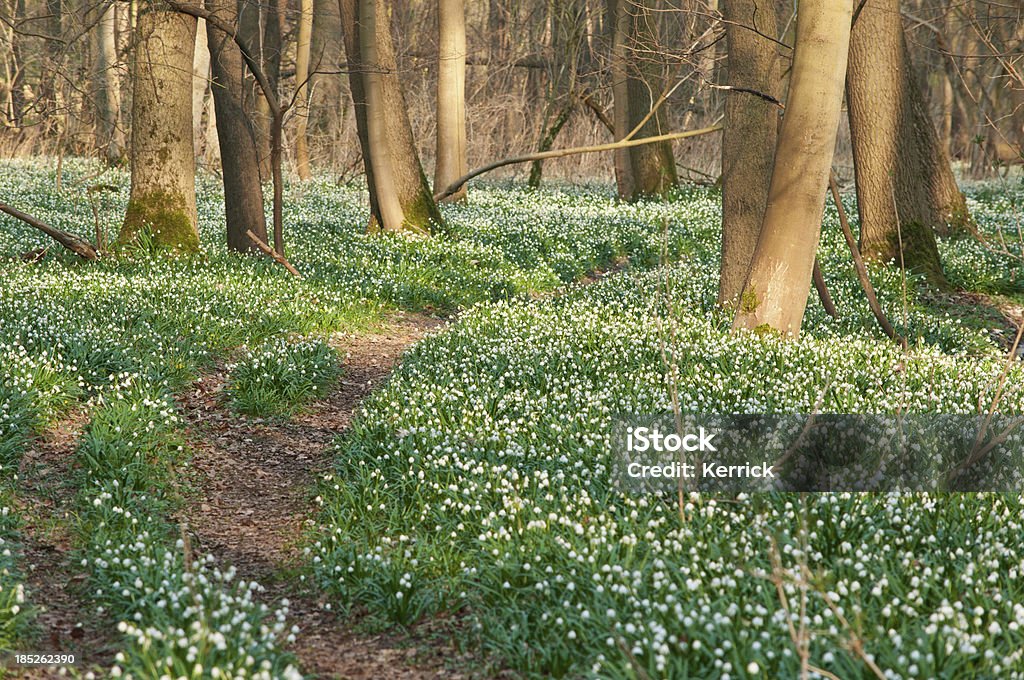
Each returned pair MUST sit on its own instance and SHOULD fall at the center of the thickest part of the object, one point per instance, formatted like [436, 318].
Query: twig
[280, 259]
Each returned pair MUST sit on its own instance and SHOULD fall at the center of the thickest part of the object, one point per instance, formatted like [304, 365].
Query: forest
[618, 339]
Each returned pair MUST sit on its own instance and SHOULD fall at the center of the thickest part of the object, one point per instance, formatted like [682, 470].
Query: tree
[389, 146]
[638, 79]
[243, 194]
[302, 53]
[163, 191]
[905, 186]
[451, 96]
[775, 293]
[749, 137]
[109, 134]
[259, 30]
[200, 84]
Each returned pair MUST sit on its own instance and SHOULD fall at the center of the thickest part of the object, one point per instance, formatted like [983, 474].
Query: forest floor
[251, 503]
[248, 503]
[166, 409]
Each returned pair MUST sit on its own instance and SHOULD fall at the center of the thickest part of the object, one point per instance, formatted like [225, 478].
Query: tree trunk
[163, 190]
[776, 290]
[243, 194]
[200, 83]
[391, 217]
[17, 81]
[618, 24]
[896, 151]
[302, 52]
[110, 135]
[748, 142]
[254, 28]
[348, 11]
[410, 184]
[652, 167]
[451, 96]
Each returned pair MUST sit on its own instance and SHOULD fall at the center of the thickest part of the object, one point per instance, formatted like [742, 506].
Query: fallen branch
[574, 151]
[280, 259]
[78, 246]
[858, 261]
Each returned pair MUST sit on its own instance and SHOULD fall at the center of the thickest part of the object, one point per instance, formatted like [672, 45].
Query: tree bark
[200, 84]
[243, 194]
[451, 96]
[392, 217]
[163, 190]
[618, 23]
[652, 168]
[409, 183]
[110, 135]
[775, 294]
[302, 52]
[254, 29]
[905, 187]
[749, 137]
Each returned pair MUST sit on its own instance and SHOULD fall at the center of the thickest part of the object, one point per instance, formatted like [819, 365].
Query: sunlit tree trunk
[200, 83]
[748, 142]
[451, 96]
[302, 52]
[110, 135]
[392, 217]
[905, 187]
[163, 191]
[243, 195]
[419, 210]
[775, 293]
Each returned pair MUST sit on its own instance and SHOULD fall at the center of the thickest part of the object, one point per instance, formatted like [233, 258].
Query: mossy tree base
[165, 217]
[920, 253]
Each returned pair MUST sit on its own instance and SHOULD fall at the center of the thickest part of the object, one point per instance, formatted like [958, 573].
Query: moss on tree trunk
[164, 216]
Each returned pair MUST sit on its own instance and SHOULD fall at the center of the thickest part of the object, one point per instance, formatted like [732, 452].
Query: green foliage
[278, 378]
[15, 614]
[181, 615]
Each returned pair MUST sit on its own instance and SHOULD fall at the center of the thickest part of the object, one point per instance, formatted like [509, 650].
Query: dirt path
[66, 622]
[253, 480]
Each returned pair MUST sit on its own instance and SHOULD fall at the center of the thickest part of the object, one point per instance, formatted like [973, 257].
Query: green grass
[476, 481]
[179, 613]
[278, 378]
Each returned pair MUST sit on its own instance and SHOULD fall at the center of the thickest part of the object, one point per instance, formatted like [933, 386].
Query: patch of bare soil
[66, 623]
[252, 502]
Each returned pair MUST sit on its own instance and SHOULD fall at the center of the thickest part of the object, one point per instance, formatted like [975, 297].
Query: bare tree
[450, 155]
[302, 91]
[382, 121]
[243, 194]
[639, 78]
[905, 186]
[200, 84]
[749, 137]
[775, 293]
[163, 191]
[109, 133]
